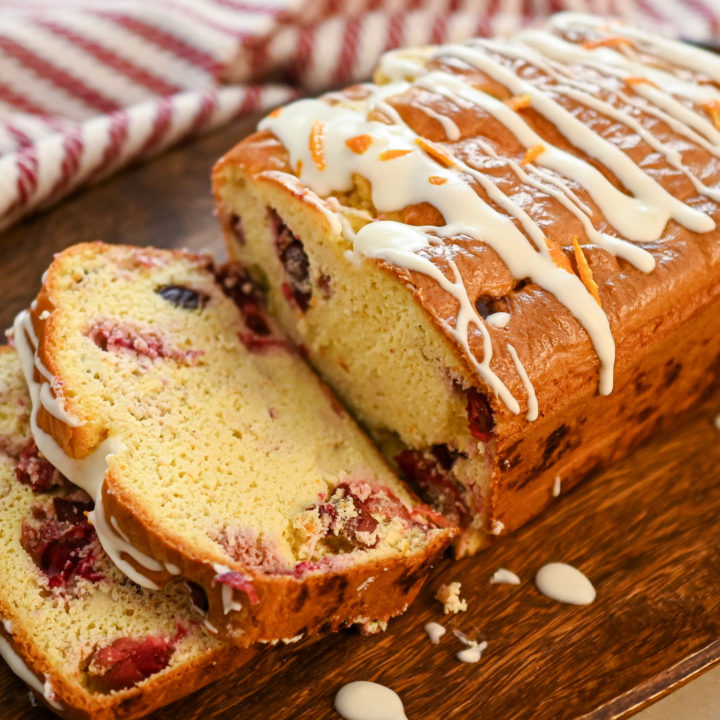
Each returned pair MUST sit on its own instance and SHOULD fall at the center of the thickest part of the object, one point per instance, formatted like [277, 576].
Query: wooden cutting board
[646, 532]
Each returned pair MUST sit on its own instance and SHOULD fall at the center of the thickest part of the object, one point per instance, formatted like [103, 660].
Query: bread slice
[502, 255]
[88, 641]
[212, 451]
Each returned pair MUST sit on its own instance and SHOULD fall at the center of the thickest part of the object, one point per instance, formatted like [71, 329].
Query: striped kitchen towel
[89, 86]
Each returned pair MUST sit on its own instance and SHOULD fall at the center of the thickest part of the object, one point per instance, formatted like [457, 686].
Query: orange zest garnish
[638, 80]
[316, 144]
[275, 112]
[712, 108]
[585, 272]
[392, 154]
[532, 154]
[359, 144]
[613, 41]
[519, 102]
[437, 179]
[436, 152]
[557, 255]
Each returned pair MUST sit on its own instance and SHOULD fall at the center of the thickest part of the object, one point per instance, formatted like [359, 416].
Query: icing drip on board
[362, 700]
[434, 632]
[415, 171]
[564, 583]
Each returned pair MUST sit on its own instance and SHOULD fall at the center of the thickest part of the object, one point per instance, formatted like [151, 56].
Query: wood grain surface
[646, 533]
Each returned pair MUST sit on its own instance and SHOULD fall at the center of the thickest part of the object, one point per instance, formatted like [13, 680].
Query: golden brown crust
[289, 606]
[664, 322]
[136, 702]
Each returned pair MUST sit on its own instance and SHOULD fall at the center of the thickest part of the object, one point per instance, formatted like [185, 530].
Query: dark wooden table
[647, 533]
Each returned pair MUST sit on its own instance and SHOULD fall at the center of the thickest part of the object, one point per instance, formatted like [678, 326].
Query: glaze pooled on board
[564, 583]
[362, 700]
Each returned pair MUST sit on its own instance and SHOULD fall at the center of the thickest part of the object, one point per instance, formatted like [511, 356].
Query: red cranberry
[292, 255]
[241, 288]
[127, 661]
[237, 228]
[35, 471]
[72, 511]
[433, 482]
[61, 541]
[480, 416]
[363, 522]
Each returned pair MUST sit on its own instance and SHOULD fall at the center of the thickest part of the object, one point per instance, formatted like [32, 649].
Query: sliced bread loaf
[210, 449]
[88, 641]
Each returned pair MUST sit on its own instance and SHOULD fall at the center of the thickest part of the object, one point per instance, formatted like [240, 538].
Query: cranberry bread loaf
[503, 255]
[88, 641]
[212, 451]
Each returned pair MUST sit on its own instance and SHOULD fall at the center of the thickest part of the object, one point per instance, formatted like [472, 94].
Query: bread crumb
[449, 596]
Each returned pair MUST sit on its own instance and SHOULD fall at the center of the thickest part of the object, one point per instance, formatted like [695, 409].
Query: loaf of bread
[211, 450]
[503, 255]
[88, 641]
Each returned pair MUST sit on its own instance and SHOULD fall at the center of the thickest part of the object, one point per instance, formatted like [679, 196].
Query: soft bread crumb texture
[449, 596]
[380, 353]
[59, 630]
[361, 309]
[225, 446]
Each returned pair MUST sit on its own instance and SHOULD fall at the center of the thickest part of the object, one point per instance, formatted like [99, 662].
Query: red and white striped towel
[89, 86]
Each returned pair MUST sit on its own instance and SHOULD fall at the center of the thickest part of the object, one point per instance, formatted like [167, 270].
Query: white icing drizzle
[638, 215]
[532, 412]
[678, 53]
[452, 131]
[625, 169]
[210, 627]
[503, 576]
[50, 694]
[498, 319]
[53, 404]
[497, 527]
[18, 666]
[434, 631]
[88, 473]
[564, 583]
[7, 626]
[365, 583]
[120, 545]
[607, 61]
[473, 650]
[172, 568]
[227, 591]
[362, 700]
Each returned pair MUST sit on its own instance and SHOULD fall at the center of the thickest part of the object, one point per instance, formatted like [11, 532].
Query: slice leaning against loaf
[212, 451]
[503, 255]
[88, 641]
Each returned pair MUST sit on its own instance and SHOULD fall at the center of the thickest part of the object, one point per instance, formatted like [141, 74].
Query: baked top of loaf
[210, 448]
[547, 198]
[82, 635]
